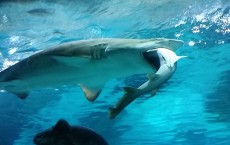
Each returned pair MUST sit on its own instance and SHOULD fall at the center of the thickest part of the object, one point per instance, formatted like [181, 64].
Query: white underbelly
[92, 73]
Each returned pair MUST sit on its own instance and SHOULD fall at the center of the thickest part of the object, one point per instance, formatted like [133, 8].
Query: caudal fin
[129, 96]
[182, 57]
[113, 112]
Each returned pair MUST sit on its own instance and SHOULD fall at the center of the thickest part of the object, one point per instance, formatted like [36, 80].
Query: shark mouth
[152, 57]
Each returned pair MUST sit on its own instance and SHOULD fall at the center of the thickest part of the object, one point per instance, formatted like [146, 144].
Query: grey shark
[64, 134]
[155, 80]
[87, 63]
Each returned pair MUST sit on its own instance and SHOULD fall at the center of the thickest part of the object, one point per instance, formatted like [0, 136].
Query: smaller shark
[164, 73]
[64, 134]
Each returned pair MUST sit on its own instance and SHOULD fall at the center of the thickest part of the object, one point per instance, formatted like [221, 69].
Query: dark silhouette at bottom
[64, 134]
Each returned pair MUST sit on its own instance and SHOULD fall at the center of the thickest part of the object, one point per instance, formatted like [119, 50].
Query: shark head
[168, 56]
[160, 56]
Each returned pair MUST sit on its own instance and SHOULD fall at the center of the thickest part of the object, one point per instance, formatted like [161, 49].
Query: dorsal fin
[62, 126]
[91, 94]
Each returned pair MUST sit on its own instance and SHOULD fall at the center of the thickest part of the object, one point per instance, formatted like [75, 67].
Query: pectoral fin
[21, 91]
[91, 94]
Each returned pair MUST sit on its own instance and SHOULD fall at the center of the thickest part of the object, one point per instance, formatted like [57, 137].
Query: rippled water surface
[192, 108]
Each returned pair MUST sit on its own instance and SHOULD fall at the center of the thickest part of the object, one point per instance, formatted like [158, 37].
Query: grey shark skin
[64, 134]
[80, 62]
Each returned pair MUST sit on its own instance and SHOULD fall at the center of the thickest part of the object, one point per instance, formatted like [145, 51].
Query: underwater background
[192, 108]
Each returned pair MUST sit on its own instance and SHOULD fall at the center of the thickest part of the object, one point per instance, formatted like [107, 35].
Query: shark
[166, 69]
[89, 64]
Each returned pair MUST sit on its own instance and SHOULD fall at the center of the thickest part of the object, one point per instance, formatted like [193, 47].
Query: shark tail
[130, 95]
[175, 59]
[179, 57]
[113, 112]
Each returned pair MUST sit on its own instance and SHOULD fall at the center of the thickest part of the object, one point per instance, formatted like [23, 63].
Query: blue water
[192, 108]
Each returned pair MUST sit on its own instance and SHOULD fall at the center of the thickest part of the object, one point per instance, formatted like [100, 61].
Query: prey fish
[155, 81]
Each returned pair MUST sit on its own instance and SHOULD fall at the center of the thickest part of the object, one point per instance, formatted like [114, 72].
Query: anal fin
[91, 94]
[153, 92]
